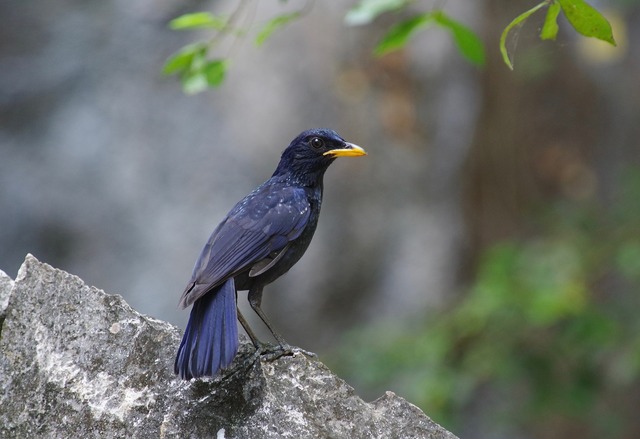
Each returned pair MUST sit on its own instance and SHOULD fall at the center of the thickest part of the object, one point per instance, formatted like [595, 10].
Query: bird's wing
[259, 227]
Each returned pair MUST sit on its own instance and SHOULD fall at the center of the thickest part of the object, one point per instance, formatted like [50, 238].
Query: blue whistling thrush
[258, 241]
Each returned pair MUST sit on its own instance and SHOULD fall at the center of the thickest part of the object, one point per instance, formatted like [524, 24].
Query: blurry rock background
[110, 172]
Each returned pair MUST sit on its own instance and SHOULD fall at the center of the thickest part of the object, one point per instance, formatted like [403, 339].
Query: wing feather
[259, 226]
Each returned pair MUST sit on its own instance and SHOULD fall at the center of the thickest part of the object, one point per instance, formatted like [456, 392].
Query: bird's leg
[249, 360]
[255, 300]
[256, 343]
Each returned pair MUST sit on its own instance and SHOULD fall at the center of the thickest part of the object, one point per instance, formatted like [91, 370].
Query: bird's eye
[317, 142]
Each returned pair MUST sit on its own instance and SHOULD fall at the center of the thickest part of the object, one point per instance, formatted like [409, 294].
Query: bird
[258, 241]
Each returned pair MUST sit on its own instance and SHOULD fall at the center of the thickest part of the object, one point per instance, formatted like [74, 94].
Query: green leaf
[586, 20]
[197, 72]
[550, 28]
[177, 63]
[516, 21]
[214, 71]
[197, 20]
[194, 82]
[469, 44]
[182, 60]
[273, 25]
[367, 10]
[399, 34]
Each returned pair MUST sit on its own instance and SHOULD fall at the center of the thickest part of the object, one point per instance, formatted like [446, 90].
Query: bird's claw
[272, 353]
[296, 350]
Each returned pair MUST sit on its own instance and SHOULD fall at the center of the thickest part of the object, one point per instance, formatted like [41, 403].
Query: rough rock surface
[77, 362]
[6, 285]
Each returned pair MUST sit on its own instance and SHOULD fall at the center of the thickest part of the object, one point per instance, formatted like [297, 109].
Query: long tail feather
[211, 339]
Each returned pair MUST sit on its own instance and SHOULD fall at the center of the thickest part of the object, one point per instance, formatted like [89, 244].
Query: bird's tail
[211, 339]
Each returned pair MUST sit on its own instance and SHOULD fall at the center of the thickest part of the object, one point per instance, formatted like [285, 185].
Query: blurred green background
[483, 261]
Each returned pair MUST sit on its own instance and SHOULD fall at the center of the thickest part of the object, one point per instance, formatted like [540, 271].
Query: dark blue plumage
[260, 239]
[213, 317]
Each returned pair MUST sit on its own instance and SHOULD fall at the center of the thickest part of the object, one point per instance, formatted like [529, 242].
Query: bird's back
[276, 217]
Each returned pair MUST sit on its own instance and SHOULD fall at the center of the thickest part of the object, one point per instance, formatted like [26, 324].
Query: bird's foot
[296, 350]
[271, 353]
[264, 352]
[245, 361]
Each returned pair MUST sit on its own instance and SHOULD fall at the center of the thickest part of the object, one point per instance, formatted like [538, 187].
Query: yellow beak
[350, 150]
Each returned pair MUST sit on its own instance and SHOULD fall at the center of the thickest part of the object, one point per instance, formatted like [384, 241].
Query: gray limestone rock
[6, 285]
[77, 362]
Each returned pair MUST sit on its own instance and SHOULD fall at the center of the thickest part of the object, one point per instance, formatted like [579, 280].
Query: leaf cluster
[200, 66]
[584, 18]
[196, 71]
[468, 43]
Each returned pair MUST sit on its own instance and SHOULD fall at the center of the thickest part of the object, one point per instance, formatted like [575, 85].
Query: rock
[6, 285]
[77, 362]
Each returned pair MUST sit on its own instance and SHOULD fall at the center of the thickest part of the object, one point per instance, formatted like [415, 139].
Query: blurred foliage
[200, 65]
[548, 330]
[468, 43]
[366, 11]
[204, 64]
[584, 18]
[196, 71]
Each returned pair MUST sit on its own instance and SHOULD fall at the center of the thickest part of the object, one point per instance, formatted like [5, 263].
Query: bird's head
[311, 153]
